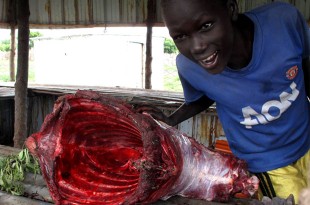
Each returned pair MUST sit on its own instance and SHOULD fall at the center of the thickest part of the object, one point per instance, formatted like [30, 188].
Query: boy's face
[202, 31]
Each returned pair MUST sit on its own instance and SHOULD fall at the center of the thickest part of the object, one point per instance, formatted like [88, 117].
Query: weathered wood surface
[7, 150]
[165, 99]
[7, 92]
[154, 97]
[8, 199]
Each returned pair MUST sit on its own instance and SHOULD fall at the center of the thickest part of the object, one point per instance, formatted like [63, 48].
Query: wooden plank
[8, 199]
[7, 92]
[165, 99]
[7, 150]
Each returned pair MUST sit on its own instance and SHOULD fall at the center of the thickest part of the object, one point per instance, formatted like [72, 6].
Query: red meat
[95, 149]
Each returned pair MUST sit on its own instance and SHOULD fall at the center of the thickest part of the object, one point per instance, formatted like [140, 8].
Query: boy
[255, 66]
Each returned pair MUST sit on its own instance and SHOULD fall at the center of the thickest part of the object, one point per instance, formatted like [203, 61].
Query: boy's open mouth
[210, 61]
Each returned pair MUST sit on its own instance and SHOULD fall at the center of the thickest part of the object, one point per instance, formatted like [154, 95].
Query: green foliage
[12, 171]
[4, 78]
[169, 46]
[33, 34]
[5, 45]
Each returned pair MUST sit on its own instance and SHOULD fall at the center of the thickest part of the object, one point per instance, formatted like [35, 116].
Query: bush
[33, 34]
[5, 45]
[169, 46]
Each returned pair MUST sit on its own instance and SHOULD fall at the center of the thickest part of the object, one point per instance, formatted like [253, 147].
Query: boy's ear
[233, 8]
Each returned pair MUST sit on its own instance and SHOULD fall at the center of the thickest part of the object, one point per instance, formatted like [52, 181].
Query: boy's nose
[198, 44]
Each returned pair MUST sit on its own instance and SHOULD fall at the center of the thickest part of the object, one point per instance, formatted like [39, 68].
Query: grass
[5, 70]
[171, 79]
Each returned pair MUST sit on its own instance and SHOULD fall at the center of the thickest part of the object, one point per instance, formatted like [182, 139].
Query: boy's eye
[207, 26]
[179, 37]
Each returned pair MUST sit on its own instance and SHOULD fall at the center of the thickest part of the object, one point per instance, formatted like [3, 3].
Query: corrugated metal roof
[3, 11]
[87, 12]
[83, 12]
[108, 12]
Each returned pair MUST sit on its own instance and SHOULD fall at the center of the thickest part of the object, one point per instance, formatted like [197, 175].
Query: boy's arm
[306, 69]
[186, 111]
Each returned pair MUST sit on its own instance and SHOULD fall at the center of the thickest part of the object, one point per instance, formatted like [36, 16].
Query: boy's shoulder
[274, 8]
[276, 12]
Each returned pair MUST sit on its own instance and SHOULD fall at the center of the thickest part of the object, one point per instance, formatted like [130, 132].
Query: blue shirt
[263, 107]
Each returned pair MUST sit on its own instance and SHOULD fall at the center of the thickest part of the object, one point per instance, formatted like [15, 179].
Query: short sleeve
[304, 30]
[191, 94]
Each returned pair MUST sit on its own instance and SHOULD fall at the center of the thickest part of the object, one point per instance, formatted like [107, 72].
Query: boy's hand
[155, 112]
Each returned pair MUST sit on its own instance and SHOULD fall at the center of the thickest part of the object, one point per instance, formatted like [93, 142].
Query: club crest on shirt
[292, 72]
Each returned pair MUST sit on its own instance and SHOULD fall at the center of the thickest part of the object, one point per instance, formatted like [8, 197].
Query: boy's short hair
[223, 2]
[163, 2]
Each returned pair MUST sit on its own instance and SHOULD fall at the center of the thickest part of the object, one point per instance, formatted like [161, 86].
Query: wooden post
[21, 84]
[12, 20]
[151, 9]
[12, 54]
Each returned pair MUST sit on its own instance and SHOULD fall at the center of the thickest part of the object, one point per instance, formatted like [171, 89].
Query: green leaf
[12, 171]
[21, 155]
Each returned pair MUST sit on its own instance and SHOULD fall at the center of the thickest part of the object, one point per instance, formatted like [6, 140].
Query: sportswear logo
[292, 72]
[271, 110]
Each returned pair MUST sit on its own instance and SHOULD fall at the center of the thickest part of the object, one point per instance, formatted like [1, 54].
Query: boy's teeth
[210, 58]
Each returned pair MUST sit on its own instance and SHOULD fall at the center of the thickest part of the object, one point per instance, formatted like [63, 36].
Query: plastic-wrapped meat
[95, 149]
